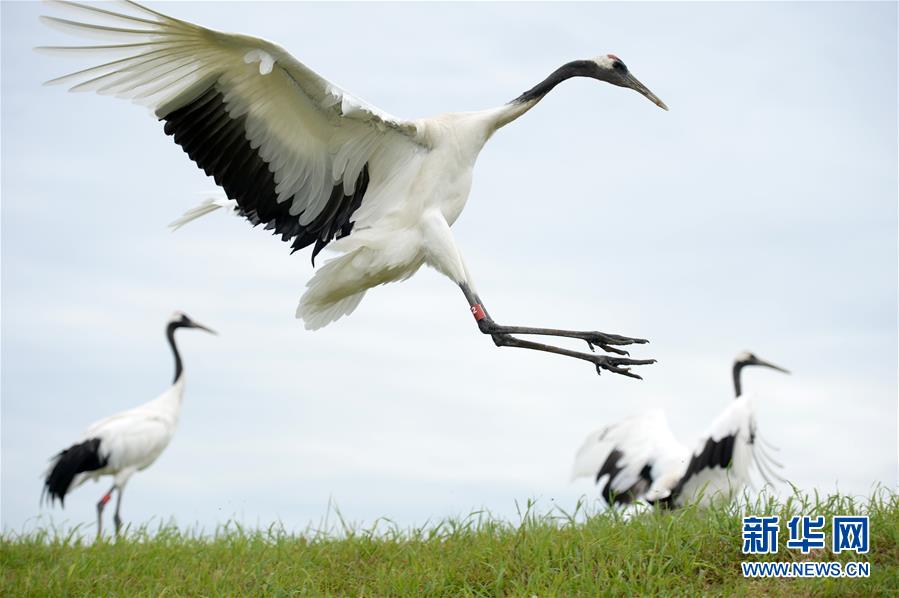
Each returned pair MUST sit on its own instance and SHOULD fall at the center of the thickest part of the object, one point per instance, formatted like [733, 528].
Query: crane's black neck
[738, 367]
[577, 68]
[170, 334]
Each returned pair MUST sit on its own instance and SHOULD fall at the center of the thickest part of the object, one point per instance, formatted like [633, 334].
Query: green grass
[692, 551]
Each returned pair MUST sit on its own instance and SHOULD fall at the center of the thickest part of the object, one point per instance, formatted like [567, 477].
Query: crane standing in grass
[318, 166]
[122, 444]
[640, 459]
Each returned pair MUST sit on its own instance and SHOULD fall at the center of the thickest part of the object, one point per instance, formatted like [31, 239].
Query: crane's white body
[391, 245]
[314, 136]
[646, 441]
[132, 440]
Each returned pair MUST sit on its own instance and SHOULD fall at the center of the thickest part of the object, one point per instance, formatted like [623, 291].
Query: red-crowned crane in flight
[124, 443]
[639, 459]
[318, 166]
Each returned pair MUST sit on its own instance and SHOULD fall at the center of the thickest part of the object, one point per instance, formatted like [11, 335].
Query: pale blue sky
[759, 213]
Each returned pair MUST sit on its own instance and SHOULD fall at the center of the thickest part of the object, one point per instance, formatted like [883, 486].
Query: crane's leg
[101, 504]
[118, 505]
[502, 336]
[441, 253]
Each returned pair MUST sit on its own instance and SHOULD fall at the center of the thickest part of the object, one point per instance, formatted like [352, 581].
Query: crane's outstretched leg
[118, 505]
[502, 336]
[442, 254]
[100, 505]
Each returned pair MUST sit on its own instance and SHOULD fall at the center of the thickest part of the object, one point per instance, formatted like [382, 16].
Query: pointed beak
[771, 365]
[201, 327]
[634, 83]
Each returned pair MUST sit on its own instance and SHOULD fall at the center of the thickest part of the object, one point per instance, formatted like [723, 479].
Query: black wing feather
[715, 453]
[611, 468]
[217, 143]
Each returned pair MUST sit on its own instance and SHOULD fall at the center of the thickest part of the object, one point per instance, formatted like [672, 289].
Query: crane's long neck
[738, 368]
[530, 98]
[577, 68]
[170, 334]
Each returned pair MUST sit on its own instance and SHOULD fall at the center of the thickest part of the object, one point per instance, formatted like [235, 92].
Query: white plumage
[131, 441]
[122, 444]
[315, 164]
[639, 458]
[206, 207]
[641, 440]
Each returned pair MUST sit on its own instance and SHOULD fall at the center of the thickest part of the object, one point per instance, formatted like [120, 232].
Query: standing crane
[124, 443]
[318, 166]
[640, 459]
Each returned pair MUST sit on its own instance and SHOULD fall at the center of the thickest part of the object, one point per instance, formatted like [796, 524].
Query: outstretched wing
[295, 151]
[720, 465]
[638, 458]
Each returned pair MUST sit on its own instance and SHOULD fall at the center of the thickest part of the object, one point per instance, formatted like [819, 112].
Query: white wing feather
[312, 134]
[207, 207]
[643, 440]
[712, 483]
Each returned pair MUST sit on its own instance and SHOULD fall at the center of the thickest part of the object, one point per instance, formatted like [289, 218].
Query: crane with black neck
[122, 444]
[639, 459]
[318, 166]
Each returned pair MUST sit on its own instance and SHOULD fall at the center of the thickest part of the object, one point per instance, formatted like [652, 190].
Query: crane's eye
[619, 66]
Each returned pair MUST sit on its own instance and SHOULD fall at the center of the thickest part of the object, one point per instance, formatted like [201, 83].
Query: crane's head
[611, 69]
[747, 358]
[182, 320]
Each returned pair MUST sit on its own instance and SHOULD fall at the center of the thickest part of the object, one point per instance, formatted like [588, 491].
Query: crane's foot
[606, 342]
[505, 336]
[616, 365]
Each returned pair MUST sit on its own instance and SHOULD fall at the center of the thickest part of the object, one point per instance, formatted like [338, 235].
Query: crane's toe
[616, 365]
[607, 348]
[601, 338]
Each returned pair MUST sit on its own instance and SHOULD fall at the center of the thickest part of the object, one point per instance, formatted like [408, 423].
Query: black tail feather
[67, 464]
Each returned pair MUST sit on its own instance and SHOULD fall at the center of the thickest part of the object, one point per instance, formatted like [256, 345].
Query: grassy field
[691, 551]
